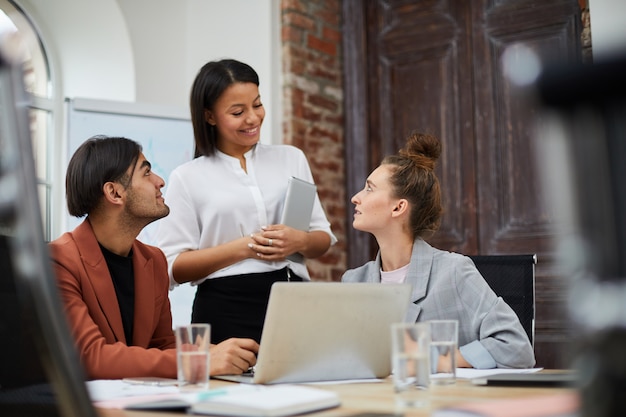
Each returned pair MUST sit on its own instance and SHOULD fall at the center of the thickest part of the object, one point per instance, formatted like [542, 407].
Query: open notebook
[325, 331]
[244, 401]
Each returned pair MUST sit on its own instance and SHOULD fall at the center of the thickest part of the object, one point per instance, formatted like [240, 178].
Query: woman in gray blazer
[401, 205]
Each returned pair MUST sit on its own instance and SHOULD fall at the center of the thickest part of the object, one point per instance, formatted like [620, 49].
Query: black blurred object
[589, 102]
[40, 374]
[21, 365]
[602, 366]
[38, 400]
[572, 86]
[512, 277]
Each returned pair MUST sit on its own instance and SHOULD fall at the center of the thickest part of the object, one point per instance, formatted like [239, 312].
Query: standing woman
[401, 205]
[223, 233]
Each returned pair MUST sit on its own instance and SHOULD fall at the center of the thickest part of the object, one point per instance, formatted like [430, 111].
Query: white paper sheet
[469, 373]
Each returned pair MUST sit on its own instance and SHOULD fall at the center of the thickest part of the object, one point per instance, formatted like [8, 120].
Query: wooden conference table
[378, 397]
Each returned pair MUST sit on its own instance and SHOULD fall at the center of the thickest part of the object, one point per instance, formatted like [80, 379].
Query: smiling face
[237, 115]
[375, 205]
[144, 199]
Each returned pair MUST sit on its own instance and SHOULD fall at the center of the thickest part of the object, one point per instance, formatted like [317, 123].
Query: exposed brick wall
[313, 111]
[313, 108]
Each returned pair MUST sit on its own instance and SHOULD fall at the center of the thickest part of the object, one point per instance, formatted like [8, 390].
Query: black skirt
[235, 306]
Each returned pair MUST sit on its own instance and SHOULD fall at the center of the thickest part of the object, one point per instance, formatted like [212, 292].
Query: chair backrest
[512, 277]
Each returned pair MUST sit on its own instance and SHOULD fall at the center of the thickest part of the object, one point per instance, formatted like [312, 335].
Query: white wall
[608, 28]
[149, 51]
[173, 39]
[88, 45]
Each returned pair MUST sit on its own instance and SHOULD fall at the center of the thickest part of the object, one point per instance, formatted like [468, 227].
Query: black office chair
[512, 277]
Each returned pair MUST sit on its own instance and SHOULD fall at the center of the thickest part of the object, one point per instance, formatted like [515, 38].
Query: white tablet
[298, 204]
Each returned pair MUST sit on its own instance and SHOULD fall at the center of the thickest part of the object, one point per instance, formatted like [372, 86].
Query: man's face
[144, 199]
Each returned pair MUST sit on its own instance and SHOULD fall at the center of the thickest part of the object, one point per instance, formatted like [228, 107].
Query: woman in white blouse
[223, 232]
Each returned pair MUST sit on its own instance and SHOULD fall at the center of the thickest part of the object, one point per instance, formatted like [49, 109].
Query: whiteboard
[166, 135]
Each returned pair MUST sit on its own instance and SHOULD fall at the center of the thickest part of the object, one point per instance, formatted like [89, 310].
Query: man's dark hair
[98, 160]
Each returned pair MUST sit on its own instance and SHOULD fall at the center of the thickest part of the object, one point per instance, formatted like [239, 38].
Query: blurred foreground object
[40, 374]
[581, 143]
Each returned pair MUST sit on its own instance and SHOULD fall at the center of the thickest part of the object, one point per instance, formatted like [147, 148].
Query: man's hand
[233, 356]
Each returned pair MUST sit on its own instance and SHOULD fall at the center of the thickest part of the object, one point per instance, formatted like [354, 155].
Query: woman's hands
[276, 242]
[193, 265]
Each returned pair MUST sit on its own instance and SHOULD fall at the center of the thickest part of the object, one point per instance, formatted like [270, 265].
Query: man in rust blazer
[115, 288]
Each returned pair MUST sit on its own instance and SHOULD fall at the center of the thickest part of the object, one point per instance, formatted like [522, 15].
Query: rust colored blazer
[93, 313]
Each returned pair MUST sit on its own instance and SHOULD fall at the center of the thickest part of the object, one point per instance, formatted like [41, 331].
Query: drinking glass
[410, 363]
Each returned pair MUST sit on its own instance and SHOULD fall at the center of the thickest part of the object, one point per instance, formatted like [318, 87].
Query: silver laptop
[327, 331]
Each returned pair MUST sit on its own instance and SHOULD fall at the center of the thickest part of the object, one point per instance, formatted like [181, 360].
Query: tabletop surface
[378, 398]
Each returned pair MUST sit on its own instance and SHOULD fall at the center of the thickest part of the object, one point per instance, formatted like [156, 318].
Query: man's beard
[141, 215]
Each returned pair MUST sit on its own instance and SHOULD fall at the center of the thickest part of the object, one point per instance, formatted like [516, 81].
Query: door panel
[421, 82]
[512, 215]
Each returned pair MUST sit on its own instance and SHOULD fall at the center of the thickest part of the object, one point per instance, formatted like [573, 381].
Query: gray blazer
[447, 285]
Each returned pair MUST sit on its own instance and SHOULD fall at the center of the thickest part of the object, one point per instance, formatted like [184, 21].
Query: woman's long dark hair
[214, 77]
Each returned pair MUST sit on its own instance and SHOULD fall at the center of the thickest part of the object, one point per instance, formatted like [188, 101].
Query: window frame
[44, 109]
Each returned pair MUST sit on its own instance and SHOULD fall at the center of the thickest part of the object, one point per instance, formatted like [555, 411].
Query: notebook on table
[327, 331]
[269, 401]
[245, 400]
[539, 379]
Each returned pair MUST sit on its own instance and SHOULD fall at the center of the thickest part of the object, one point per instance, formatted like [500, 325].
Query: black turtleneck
[121, 270]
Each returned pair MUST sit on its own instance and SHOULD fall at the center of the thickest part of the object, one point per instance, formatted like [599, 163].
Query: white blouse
[213, 200]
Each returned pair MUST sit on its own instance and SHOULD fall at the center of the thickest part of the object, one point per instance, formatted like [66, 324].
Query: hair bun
[423, 149]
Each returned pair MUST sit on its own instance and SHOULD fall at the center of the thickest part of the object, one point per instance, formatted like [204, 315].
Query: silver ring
[269, 242]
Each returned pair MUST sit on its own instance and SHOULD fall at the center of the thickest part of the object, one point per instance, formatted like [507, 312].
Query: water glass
[192, 354]
[410, 363]
[444, 340]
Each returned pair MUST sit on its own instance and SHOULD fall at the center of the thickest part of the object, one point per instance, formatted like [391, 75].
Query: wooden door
[436, 66]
